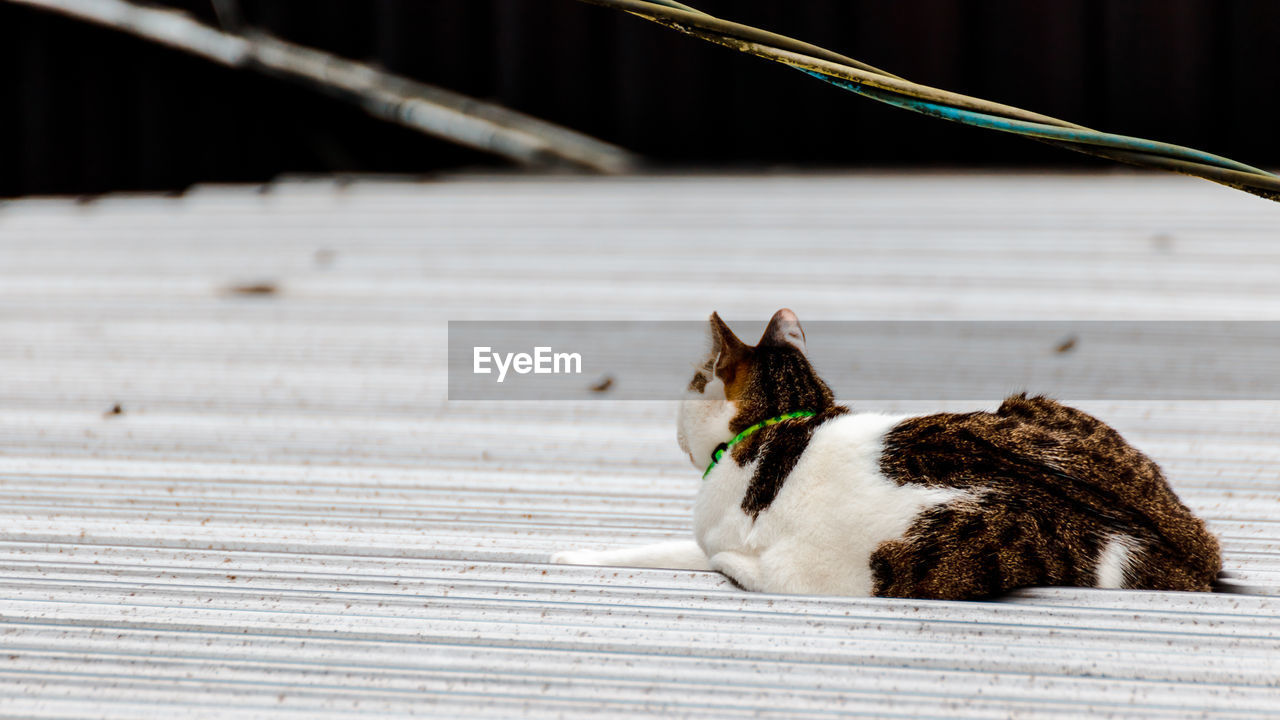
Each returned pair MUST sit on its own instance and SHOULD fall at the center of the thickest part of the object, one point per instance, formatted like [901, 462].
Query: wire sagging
[868, 81]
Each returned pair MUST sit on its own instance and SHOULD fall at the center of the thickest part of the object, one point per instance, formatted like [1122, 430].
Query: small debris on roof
[262, 288]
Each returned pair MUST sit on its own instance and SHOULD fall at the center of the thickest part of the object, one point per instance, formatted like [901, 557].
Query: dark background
[85, 110]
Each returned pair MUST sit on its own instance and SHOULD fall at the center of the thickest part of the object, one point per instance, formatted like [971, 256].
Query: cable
[1039, 130]
[868, 81]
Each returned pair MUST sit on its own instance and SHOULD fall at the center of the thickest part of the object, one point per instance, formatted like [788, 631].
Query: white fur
[833, 511]
[817, 536]
[703, 422]
[1114, 562]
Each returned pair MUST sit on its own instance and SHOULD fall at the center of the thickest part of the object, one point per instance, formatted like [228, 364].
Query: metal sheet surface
[288, 517]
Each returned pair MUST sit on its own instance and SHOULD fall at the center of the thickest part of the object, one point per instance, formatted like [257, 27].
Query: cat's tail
[1230, 583]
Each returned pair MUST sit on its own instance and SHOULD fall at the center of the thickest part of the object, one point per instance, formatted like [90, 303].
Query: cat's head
[738, 385]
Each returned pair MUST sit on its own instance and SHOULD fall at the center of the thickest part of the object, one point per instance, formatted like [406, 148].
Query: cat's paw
[575, 557]
[741, 570]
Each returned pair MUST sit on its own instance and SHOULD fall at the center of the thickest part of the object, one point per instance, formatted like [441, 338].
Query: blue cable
[1134, 150]
[1040, 130]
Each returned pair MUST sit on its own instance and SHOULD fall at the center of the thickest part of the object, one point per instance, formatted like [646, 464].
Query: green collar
[723, 448]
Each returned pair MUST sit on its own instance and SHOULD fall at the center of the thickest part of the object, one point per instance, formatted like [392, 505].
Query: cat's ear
[727, 349]
[784, 330]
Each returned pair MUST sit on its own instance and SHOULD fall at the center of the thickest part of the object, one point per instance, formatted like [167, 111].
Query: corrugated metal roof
[288, 517]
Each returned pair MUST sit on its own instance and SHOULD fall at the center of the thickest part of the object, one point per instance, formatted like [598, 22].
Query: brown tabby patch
[774, 381]
[1049, 485]
[778, 448]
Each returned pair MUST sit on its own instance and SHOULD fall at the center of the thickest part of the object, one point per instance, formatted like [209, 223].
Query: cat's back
[1026, 435]
[1057, 497]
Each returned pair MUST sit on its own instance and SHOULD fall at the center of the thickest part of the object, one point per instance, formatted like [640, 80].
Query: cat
[802, 495]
